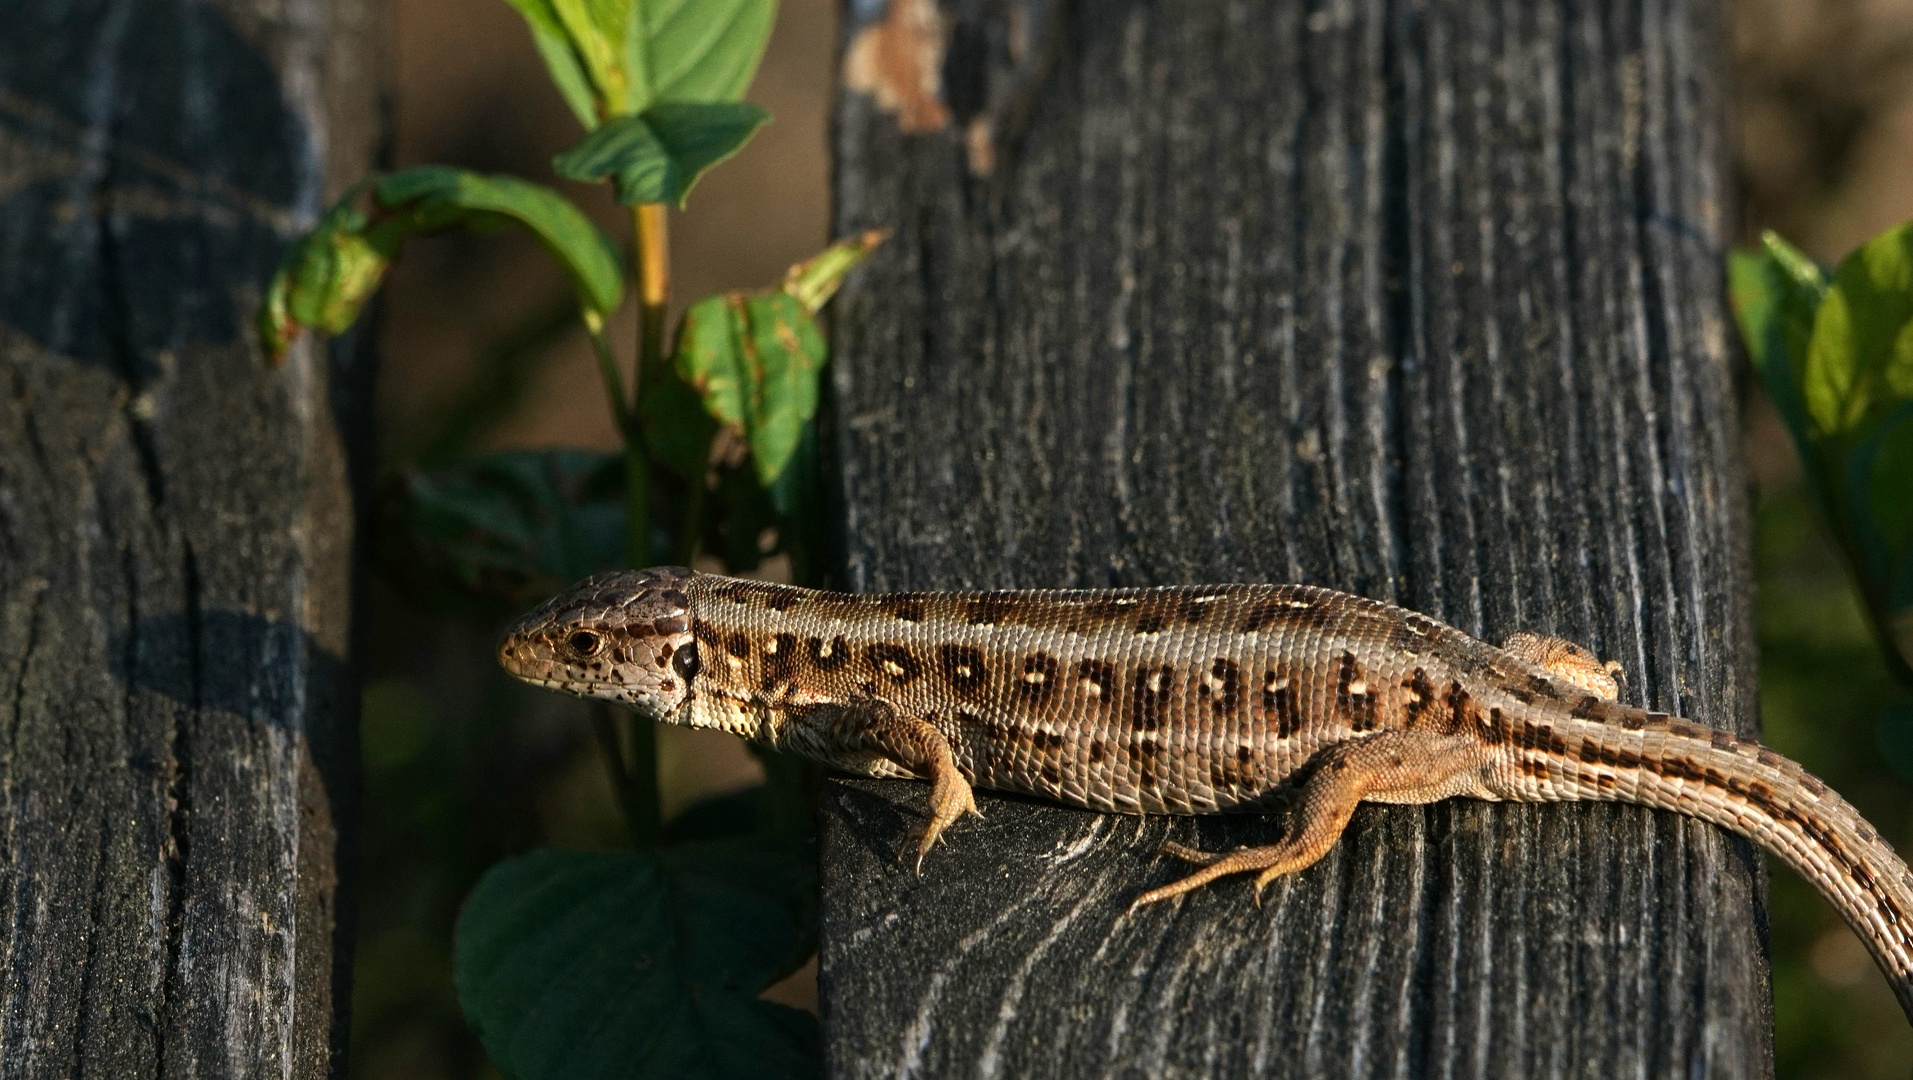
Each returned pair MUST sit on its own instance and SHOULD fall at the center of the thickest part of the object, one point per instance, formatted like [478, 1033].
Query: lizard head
[623, 636]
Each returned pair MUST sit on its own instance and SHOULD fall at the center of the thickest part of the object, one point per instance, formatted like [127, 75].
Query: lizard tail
[1628, 755]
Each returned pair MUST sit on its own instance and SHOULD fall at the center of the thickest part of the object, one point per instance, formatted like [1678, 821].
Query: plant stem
[653, 240]
[605, 725]
[653, 261]
[608, 370]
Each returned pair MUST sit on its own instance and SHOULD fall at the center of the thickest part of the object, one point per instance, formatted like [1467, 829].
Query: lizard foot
[1277, 858]
[950, 799]
[1187, 854]
[1410, 766]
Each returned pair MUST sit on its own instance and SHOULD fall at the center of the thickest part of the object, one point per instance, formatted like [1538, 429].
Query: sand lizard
[1189, 700]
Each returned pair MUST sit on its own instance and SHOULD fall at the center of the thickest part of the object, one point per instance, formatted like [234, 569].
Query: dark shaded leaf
[676, 427]
[657, 156]
[495, 533]
[721, 817]
[588, 965]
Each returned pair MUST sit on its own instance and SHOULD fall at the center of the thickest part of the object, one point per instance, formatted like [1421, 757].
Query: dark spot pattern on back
[1278, 700]
[1493, 730]
[1149, 694]
[1281, 611]
[908, 607]
[781, 597]
[1540, 686]
[780, 659]
[738, 645]
[1151, 622]
[1036, 683]
[704, 632]
[1098, 680]
[1149, 762]
[1421, 695]
[1461, 708]
[828, 655]
[1224, 688]
[893, 662]
[1411, 634]
[1353, 698]
[988, 610]
[1115, 607]
[962, 667]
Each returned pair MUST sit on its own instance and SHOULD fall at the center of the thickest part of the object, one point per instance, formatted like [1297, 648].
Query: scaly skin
[1189, 700]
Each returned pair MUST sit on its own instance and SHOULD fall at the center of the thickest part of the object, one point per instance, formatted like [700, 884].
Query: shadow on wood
[178, 747]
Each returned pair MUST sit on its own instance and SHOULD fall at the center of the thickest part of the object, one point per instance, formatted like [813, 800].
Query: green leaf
[613, 58]
[597, 31]
[754, 359]
[1851, 358]
[1776, 293]
[561, 59]
[588, 965]
[658, 156]
[441, 196]
[328, 275]
[702, 50]
[495, 533]
[814, 281]
[324, 278]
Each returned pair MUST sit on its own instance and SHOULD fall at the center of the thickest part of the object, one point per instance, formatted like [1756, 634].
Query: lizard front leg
[1401, 766]
[873, 726]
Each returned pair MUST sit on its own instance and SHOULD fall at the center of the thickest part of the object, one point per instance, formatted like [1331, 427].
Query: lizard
[1189, 700]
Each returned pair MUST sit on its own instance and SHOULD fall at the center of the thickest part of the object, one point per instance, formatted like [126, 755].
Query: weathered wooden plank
[1417, 300]
[177, 715]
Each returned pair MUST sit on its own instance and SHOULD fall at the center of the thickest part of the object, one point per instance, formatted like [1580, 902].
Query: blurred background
[464, 768]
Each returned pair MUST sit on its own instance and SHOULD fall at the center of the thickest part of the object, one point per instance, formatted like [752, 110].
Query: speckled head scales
[623, 636]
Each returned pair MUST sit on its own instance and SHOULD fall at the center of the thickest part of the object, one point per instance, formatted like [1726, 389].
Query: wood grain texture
[178, 739]
[1419, 301]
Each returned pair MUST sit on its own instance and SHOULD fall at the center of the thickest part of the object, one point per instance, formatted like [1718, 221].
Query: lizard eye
[685, 660]
[584, 642]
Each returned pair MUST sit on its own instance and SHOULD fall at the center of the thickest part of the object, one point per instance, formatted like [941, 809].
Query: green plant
[1835, 354]
[647, 962]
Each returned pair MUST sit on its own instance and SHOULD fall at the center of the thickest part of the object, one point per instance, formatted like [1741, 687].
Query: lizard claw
[1186, 853]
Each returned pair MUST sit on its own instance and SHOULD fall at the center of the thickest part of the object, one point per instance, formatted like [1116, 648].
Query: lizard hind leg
[1568, 661]
[1390, 766]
